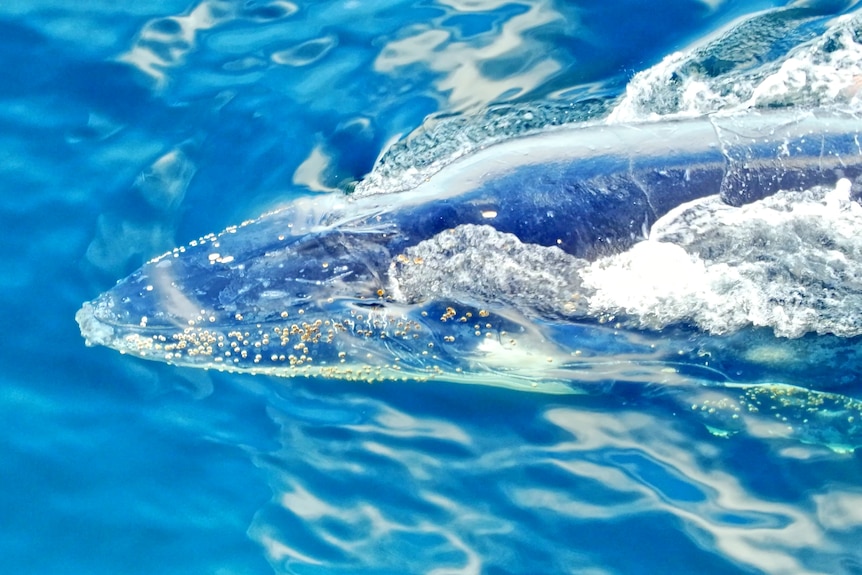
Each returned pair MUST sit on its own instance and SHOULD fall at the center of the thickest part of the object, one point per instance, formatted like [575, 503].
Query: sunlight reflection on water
[623, 468]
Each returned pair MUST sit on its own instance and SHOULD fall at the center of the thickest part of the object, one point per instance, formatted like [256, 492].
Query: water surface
[128, 131]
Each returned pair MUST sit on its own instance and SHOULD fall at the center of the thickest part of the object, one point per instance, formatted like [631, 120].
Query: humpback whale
[711, 253]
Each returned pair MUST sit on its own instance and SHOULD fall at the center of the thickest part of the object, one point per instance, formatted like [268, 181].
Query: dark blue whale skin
[307, 290]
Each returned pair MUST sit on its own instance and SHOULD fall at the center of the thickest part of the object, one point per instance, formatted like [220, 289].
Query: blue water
[126, 131]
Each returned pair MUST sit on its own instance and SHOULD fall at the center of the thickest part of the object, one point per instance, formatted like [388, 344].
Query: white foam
[791, 262]
[657, 283]
[822, 71]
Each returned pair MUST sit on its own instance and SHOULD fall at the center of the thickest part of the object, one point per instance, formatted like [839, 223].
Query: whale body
[491, 270]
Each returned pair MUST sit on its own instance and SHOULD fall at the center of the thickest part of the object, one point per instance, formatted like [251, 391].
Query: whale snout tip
[94, 331]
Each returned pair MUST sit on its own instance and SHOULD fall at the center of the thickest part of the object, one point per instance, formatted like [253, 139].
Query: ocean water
[128, 131]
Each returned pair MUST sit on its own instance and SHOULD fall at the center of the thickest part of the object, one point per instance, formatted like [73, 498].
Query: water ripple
[502, 63]
[402, 491]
